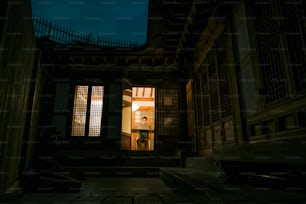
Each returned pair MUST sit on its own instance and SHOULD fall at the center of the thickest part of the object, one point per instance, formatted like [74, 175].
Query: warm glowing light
[135, 106]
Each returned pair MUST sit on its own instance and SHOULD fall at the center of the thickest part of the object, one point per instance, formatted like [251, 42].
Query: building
[220, 81]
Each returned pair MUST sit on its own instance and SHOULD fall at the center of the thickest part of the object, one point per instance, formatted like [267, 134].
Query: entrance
[138, 119]
[143, 117]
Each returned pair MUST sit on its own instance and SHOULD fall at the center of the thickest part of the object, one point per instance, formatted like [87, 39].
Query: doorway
[138, 119]
[143, 118]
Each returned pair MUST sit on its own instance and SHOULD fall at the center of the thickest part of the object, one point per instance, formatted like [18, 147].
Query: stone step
[152, 161]
[140, 153]
[128, 171]
[130, 161]
[102, 159]
[90, 161]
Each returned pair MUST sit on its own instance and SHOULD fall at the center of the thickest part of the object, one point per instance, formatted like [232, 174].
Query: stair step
[140, 153]
[127, 171]
[102, 159]
[152, 161]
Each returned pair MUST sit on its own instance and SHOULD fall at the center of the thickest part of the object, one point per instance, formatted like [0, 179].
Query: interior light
[135, 106]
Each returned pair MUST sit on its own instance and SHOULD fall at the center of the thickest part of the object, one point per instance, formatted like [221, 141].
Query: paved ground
[114, 191]
[136, 190]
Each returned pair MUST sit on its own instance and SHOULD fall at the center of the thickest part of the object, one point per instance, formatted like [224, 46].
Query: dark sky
[119, 19]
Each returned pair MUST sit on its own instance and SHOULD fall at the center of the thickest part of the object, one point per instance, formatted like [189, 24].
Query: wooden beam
[210, 33]
[143, 99]
[151, 93]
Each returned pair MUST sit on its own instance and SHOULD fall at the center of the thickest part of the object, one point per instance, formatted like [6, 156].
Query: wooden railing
[45, 28]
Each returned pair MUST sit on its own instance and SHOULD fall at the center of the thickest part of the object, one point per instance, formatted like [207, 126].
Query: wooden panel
[167, 114]
[229, 132]
[218, 135]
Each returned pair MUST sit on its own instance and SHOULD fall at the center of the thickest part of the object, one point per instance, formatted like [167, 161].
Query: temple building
[218, 91]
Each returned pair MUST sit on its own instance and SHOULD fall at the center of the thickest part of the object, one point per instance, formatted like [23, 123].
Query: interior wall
[126, 120]
[17, 69]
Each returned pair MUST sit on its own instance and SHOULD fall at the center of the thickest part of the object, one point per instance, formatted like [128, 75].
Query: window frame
[88, 108]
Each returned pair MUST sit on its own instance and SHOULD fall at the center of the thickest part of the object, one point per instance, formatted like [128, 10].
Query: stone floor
[142, 190]
[114, 190]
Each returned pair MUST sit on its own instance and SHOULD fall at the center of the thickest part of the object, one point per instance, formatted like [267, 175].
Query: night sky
[118, 19]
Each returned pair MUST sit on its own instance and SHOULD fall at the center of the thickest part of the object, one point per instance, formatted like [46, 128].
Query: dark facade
[229, 80]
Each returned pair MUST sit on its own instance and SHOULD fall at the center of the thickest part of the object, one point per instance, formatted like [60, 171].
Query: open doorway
[143, 118]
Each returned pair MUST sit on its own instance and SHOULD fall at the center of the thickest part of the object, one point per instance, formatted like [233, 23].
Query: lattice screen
[84, 95]
[79, 111]
[223, 59]
[270, 51]
[167, 112]
[226, 105]
[213, 80]
[96, 109]
[295, 26]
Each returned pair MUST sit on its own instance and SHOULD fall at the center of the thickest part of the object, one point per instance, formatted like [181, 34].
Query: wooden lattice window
[270, 50]
[87, 111]
[167, 112]
[295, 34]
[226, 105]
[213, 80]
[223, 70]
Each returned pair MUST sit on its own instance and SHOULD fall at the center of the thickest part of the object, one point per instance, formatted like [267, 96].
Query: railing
[44, 28]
